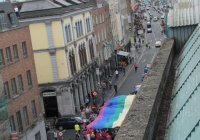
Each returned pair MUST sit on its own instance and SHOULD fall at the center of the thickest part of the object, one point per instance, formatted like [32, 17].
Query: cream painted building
[64, 53]
[112, 11]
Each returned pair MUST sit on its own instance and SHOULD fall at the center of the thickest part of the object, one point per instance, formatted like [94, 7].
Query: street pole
[116, 59]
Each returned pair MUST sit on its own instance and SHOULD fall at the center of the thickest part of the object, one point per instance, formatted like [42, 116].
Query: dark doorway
[50, 106]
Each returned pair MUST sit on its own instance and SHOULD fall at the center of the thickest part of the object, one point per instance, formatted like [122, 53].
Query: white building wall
[40, 127]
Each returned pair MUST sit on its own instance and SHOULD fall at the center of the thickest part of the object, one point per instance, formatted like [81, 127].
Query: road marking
[143, 60]
[153, 57]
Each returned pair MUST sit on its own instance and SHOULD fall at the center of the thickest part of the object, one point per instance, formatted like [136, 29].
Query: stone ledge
[140, 121]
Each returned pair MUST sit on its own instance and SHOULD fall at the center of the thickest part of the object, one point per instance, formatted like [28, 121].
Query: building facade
[4, 123]
[19, 77]
[103, 37]
[64, 53]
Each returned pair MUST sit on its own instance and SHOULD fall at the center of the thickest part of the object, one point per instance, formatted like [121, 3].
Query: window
[1, 58]
[88, 24]
[93, 21]
[20, 82]
[24, 49]
[72, 62]
[15, 51]
[8, 55]
[6, 90]
[96, 39]
[100, 18]
[99, 37]
[102, 34]
[81, 27]
[12, 124]
[19, 121]
[105, 33]
[14, 89]
[3, 24]
[96, 20]
[68, 33]
[33, 109]
[25, 116]
[28, 74]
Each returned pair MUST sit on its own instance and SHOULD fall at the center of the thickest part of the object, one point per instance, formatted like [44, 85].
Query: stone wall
[140, 121]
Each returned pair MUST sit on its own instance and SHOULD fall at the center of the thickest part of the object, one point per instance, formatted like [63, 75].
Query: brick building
[19, 78]
[103, 36]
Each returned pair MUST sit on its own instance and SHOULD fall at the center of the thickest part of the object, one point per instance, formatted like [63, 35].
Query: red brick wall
[9, 38]
[104, 25]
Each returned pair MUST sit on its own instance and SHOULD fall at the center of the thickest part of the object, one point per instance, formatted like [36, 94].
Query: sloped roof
[185, 12]
[184, 118]
[39, 5]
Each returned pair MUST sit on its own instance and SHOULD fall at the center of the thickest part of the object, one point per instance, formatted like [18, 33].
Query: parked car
[68, 122]
[147, 8]
[149, 30]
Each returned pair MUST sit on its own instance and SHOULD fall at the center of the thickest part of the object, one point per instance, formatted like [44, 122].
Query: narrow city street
[131, 78]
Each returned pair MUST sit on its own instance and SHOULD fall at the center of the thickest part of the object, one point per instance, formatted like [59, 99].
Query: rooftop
[185, 12]
[49, 8]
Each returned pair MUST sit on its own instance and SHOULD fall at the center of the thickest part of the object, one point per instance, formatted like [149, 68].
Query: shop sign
[49, 94]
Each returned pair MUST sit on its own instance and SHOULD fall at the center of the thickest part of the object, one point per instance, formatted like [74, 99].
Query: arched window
[72, 62]
[84, 54]
[91, 49]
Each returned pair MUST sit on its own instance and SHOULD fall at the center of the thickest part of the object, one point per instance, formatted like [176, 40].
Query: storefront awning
[123, 53]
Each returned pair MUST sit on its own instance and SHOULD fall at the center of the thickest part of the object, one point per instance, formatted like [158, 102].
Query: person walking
[55, 134]
[115, 87]
[77, 128]
[149, 45]
[124, 69]
[77, 136]
[87, 101]
[116, 73]
[135, 66]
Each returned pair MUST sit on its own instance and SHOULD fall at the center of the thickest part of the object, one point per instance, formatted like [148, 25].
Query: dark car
[68, 122]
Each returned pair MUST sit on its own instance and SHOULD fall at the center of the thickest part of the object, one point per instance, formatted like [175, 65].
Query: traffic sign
[60, 134]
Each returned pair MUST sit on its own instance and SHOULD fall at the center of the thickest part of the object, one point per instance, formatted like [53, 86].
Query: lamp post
[116, 59]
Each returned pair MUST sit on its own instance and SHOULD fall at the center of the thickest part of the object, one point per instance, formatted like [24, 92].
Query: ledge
[140, 121]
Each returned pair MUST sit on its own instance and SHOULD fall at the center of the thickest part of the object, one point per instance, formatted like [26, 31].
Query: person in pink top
[85, 134]
[91, 130]
[108, 137]
[135, 66]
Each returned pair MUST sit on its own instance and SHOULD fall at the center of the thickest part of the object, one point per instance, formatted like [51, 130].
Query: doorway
[50, 104]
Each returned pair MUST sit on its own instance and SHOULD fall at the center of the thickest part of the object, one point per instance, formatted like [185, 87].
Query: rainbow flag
[113, 113]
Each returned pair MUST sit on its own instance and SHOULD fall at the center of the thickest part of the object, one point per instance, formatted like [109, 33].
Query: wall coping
[140, 121]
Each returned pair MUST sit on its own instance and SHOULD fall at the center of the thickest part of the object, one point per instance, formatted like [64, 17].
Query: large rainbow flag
[113, 113]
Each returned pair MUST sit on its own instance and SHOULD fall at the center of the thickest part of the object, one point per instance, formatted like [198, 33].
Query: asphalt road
[133, 78]
[147, 56]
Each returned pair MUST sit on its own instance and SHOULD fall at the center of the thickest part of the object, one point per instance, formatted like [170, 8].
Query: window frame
[20, 83]
[29, 78]
[33, 108]
[24, 49]
[19, 121]
[14, 87]
[8, 55]
[6, 91]
[15, 52]
[2, 62]
[25, 115]
[12, 123]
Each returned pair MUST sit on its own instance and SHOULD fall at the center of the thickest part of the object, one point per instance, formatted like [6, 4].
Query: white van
[162, 17]
[155, 18]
